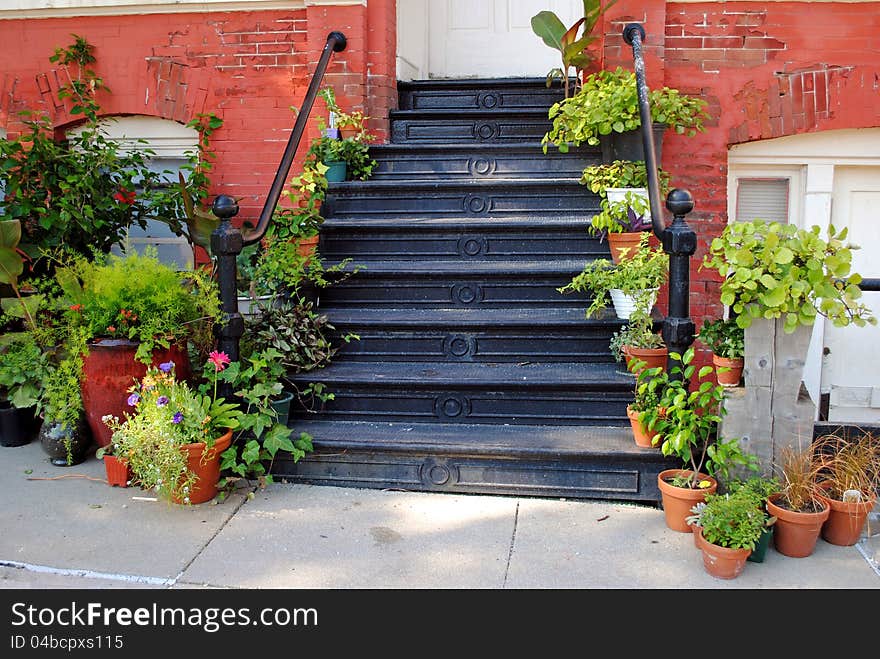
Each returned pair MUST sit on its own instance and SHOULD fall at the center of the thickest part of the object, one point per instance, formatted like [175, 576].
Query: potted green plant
[729, 528]
[349, 124]
[607, 107]
[646, 397]
[631, 284]
[760, 487]
[572, 48]
[638, 343]
[849, 481]
[174, 434]
[23, 368]
[687, 420]
[772, 271]
[624, 222]
[133, 311]
[726, 339]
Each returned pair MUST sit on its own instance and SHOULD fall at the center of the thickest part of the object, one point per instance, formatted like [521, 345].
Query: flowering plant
[166, 415]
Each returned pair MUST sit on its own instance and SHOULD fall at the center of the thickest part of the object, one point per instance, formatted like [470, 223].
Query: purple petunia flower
[178, 417]
[162, 401]
[133, 400]
[166, 367]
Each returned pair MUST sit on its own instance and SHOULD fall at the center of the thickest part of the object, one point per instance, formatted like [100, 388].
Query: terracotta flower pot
[348, 131]
[205, 463]
[307, 246]
[118, 472]
[623, 245]
[729, 378]
[109, 370]
[678, 501]
[795, 533]
[846, 520]
[722, 562]
[653, 357]
[640, 435]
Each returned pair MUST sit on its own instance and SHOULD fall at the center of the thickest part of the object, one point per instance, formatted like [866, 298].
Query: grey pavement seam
[90, 574]
[510, 549]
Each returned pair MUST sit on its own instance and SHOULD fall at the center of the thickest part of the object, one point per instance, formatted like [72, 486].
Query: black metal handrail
[227, 241]
[679, 240]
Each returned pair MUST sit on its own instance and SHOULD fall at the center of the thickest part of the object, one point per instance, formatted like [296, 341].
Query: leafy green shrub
[774, 270]
[608, 102]
[724, 337]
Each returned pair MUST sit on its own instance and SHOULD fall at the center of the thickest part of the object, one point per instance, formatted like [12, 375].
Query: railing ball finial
[679, 202]
[339, 41]
[224, 207]
[630, 30]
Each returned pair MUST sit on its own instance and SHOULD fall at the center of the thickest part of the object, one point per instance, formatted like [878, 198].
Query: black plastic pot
[18, 425]
[54, 440]
[628, 145]
[757, 556]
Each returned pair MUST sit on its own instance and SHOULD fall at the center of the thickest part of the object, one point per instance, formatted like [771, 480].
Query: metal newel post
[680, 242]
[226, 245]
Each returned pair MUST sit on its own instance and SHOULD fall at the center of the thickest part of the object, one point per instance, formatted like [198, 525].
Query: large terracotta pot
[307, 246]
[795, 533]
[846, 520]
[728, 378]
[722, 562]
[640, 435]
[678, 501]
[205, 463]
[109, 370]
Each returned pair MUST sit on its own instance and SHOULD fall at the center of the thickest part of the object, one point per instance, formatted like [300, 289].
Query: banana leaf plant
[572, 48]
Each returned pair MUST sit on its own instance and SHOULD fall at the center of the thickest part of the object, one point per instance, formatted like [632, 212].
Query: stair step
[480, 335]
[485, 93]
[542, 460]
[483, 161]
[471, 392]
[445, 283]
[470, 239]
[468, 126]
[460, 198]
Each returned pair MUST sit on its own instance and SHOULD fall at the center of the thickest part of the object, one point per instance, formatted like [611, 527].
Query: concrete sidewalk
[66, 528]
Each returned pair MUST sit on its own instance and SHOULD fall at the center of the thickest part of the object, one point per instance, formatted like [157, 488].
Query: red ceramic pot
[109, 370]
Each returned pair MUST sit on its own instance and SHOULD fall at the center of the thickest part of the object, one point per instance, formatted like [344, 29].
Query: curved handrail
[335, 43]
[633, 35]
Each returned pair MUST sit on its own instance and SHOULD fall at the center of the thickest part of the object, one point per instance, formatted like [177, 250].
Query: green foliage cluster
[621, 174]
[724, 337]
[774, 270]
[23, 367]
[734, 519]
[637, 276]
[688, 420]
[638, 332]
[608, 102]
[625, 215]
[572, 48]
[137, 297]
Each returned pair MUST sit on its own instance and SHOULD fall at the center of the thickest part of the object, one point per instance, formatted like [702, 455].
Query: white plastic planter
[624, 304]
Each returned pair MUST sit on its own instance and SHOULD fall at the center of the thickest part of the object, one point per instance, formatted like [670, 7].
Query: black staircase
[472, 373]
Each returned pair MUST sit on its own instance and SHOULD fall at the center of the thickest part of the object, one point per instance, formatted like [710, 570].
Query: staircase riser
[532, 164]
[599, 478]
[473, 246]
[414, 203]
[440, 291]
[477, 130]
[488, 99]
[455, 346]
[532, 405]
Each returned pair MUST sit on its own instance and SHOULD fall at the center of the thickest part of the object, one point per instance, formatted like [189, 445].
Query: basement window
[170, 143]
[764, 198]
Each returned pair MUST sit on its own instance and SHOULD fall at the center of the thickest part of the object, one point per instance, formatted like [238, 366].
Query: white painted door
[491, 38]
[851, 367]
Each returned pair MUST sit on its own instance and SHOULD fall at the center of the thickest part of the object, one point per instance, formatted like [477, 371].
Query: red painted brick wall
[767, 70]
[249, 68]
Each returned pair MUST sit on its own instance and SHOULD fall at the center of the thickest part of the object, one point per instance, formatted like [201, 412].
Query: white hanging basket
[624, 304]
